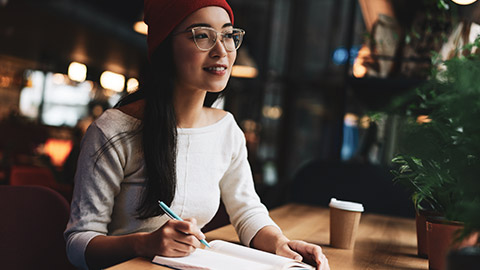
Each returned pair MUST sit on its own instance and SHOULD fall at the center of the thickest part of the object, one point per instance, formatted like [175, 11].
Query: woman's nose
[219, 49]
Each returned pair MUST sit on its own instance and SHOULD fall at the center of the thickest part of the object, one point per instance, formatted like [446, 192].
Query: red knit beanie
[162, 16]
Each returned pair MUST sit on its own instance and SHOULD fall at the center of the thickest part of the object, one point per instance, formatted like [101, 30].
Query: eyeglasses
[205, 38]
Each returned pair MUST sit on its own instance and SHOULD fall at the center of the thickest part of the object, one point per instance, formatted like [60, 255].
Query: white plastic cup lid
[344, 205]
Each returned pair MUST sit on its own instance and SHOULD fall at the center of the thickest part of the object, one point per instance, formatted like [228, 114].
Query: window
[55, 99]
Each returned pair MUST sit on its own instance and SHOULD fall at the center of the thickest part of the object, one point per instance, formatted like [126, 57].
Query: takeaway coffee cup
[344, 220]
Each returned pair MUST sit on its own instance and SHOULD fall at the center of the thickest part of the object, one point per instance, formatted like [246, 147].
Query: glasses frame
[192, 31]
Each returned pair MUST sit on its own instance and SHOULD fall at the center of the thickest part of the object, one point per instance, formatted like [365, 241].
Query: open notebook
[224, 255]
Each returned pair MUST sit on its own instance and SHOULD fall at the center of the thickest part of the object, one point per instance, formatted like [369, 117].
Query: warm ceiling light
[77, 72]
[463, 2]
[244, 71]
[132, 85]
[141, 27]
[112, 81]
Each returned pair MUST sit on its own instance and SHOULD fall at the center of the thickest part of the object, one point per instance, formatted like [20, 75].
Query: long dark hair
[159, 130]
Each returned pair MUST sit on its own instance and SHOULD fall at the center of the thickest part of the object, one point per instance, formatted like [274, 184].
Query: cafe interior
[337, 99]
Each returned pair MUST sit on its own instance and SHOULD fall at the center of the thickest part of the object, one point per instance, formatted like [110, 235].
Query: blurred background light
[464, 2]
[77, 72]
[359, 68]
[58, 78]
[244, 71]
[132, 85]
[141, 27]
[272, 112]
[422, 119]
[58, 150]
[112, 81]
[245, 66]
[340, 56]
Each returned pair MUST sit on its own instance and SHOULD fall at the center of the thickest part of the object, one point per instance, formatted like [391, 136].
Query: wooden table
[382, 242]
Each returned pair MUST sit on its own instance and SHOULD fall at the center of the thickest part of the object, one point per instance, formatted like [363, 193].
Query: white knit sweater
[211, 164]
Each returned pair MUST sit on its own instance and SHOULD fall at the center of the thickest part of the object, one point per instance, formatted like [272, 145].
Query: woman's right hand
[174, 239]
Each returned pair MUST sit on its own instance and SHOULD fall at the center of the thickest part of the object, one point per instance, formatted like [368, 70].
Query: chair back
[33, 219]
[39, 176]
[32, 176]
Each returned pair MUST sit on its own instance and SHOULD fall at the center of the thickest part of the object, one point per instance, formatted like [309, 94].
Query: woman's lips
[216, 70]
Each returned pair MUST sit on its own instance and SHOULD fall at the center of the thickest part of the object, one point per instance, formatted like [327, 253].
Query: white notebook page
[202, 260]
[236, 257]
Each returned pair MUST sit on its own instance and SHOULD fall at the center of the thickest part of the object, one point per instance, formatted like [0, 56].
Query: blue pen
[172, 215]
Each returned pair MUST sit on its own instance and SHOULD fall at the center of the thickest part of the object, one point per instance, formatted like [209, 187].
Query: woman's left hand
[301, 250]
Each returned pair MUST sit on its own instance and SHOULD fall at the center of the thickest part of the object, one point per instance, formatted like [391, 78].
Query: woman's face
[202, 70]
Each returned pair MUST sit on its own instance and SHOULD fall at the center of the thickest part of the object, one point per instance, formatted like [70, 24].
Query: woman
[161, 143]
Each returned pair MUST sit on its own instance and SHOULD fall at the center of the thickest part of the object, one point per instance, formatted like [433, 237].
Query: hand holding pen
[172, 215]
[175, 238]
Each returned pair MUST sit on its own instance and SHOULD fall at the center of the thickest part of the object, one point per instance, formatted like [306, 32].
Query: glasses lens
[233, 39]
[204, 38]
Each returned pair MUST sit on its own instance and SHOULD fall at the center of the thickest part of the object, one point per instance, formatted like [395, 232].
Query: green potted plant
[439, 159]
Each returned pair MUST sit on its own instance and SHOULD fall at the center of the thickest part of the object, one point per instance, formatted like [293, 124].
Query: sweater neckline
[212, 127]
[186, 131]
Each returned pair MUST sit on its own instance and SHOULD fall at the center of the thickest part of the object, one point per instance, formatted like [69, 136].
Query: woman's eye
[201, 36]
[229, 35]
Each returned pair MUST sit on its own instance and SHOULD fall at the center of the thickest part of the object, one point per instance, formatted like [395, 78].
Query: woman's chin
[215, 91]
[216, 88]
